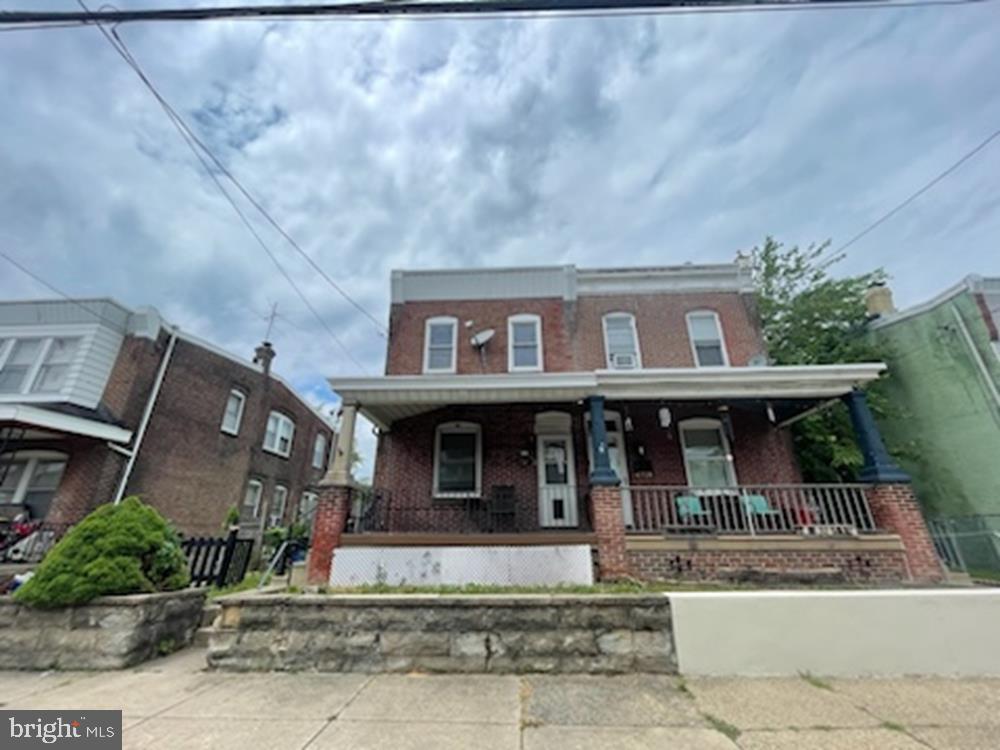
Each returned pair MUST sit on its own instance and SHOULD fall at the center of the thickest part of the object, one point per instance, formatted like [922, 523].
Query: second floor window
[233, 415]
[621, 342]
[279, 434]
[252, 497]
[319, 451]
[440, 339]
[524, 334]
[35, 365]
[706, 339]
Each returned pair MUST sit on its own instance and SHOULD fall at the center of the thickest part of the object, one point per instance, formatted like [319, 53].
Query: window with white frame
[307, 507]
[707, 458]
[276, 514]
[30, 479]
[440, 344]
[233, 416]
[524, 337]
[458, 460]
[319, 451]
[55, 365]
[279, 434]
[37, 364]
[707, 344]
[621, 341]
[251, 499]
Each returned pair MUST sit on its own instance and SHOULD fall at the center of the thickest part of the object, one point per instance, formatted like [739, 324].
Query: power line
[838, 254]
[118, 43]
[435, 9]
[114, 40]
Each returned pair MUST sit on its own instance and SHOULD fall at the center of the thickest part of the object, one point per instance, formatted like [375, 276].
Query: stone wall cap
[446, 600]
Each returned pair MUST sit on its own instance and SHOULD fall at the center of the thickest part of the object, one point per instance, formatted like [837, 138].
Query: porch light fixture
[628, 424]
[665, 417]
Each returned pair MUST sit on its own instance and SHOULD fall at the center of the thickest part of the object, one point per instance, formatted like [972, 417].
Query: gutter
[147, 414]
[980, 364]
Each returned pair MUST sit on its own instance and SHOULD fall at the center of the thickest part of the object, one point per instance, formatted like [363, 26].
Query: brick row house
[533, 419]
[98, 402]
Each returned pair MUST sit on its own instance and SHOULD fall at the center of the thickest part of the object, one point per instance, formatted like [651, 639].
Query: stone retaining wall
[557, 633]
[108, 633]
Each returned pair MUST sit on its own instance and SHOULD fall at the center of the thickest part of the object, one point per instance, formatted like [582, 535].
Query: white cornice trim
[52, 420]
[971, 283]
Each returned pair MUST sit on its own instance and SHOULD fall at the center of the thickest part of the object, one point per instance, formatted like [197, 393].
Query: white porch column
[340, 468]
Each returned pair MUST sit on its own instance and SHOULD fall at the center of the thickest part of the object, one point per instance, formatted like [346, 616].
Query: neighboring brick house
[632, 411]
[98, 402]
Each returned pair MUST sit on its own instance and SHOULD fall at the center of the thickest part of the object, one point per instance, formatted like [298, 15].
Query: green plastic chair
[759, 507]
[689, 506]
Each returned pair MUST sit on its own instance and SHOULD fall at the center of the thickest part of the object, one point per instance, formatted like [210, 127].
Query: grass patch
[984, 574]
[815, 681]
[682, 687]
[249, 582]
[720, 725]
[893, 726]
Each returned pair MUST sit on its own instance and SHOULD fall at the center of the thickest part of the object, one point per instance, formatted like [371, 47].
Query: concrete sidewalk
[174, 703]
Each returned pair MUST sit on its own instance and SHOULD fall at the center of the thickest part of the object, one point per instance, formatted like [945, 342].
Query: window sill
[457, 496]
[277, 453]
[231, 433]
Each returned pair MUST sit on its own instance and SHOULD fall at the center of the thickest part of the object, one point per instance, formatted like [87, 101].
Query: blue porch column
[602, 473]
[879, 467]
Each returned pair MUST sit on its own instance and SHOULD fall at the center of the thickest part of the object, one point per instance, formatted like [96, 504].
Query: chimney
[878, 301]
[263, 355]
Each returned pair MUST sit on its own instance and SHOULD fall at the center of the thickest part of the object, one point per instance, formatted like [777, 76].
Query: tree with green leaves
[812, 318]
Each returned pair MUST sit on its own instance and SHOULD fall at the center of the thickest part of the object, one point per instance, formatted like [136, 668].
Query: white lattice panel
[456, 566]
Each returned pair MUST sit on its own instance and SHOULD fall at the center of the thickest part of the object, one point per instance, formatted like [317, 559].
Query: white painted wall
[838, 633]
[455, 566]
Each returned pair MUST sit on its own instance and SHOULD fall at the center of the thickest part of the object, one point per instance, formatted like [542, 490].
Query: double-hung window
[621, 342]
[307, 507]
[319, 451]
[277, 512]
[458, 460]
[279, 434]
[233, 415]
[524, 336]
[707, 459]
[440, 344]
[707, 344]
[252, 497]
[30, 479]
[36, 365]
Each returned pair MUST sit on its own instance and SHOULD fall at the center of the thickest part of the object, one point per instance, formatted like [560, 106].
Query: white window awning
[46, 419]
[386, 399]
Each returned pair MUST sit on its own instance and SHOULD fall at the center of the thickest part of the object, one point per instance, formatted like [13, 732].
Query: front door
[616, 457]
[557, 505]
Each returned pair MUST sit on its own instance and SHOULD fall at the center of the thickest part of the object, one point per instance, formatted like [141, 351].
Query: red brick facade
[705, 565]
[187, 467]
[609, 528]
[332, 508]
[895, 507]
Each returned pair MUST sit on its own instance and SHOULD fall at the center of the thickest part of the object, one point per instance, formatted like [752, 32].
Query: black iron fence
[217, 561]
[501, 510]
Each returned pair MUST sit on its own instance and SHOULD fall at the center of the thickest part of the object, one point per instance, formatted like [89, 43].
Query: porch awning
[386, 399]
[37, 418]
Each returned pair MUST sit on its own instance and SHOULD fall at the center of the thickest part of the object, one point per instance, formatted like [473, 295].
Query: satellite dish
[758, 360]
[479, 340]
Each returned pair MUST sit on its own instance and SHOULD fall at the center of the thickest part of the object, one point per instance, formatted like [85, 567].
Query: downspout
[980, 364]
[147, 414]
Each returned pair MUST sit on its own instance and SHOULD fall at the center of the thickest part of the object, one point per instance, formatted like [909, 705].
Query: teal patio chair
[764, 516]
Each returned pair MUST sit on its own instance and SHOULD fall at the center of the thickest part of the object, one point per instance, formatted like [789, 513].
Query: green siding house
[944, 361]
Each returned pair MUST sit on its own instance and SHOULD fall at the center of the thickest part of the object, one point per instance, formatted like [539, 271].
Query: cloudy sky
[406, 144]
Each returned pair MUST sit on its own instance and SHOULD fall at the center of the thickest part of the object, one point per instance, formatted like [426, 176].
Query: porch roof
[386, 399]
[47, 420]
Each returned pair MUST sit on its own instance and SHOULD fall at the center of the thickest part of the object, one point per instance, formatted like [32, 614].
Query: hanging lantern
[665, 417]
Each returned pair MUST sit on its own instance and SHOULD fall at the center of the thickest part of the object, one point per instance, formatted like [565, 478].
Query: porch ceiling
[45, 419]
[389, 398]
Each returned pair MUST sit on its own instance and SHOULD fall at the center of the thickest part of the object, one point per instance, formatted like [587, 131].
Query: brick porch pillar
[333, 504]
[891, 498]
[332, 507]
[606, 500]
[896, 510]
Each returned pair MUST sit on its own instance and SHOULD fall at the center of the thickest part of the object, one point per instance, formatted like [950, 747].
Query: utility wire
[485, 10]
[838, 254]
[119, 44]
[114, 40]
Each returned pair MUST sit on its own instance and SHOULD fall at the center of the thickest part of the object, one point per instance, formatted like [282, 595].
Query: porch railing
[403, 512]
[807, 509]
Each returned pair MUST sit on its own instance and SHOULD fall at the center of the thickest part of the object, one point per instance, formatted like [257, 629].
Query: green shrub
[117, 549]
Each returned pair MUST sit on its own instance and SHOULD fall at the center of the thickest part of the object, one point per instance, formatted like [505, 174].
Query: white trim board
[50, 420]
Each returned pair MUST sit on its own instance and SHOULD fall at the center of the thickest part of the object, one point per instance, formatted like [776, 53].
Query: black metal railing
[217, 561]
[498, 512]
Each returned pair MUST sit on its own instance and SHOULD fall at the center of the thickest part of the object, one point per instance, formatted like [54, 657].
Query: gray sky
[454, 143]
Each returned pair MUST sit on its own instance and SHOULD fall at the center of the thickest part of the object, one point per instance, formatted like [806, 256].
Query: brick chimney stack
[263, 355]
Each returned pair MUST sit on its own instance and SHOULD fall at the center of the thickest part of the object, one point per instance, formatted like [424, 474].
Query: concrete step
[202, 636]
[209, 614]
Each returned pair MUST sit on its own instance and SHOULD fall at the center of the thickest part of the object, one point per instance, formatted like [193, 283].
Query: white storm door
[557, 504]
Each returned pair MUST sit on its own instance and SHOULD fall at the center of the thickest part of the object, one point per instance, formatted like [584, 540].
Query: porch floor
[431, 539]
